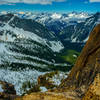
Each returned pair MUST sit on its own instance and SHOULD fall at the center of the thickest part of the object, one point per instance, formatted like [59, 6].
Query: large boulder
[7, 91]
[7, 88]
[47, 80]
[52, 79]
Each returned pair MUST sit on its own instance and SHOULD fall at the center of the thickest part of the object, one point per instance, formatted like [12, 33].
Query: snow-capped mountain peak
[56, 16]
[81, 15]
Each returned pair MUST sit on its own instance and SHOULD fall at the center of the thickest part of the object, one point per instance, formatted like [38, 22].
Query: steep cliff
[93, 92]
[85, 69]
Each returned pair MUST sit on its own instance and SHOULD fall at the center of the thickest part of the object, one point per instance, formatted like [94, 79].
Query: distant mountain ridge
[71, 27]
[80, 32]
[55, 22]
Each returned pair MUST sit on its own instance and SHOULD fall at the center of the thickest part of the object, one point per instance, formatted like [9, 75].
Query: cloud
[94, 1]
[42, 2]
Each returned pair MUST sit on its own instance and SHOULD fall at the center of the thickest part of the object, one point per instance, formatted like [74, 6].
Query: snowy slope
[80, 31]
[17, 78]
[27, 50]
[53, 21]
[10, 32]
[17, 34]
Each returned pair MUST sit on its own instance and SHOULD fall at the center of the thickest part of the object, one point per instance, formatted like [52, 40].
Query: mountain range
[32, 44]
[55, 22]
[27, 48]
[82, 83]
[73, 27]
[27, 39]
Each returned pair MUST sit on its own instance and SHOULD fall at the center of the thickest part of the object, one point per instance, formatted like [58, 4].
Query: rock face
[46, 80]
[7, 91]
[93, 92]
[52, 79]
[48, 96]
[7, 88]
[86, 67]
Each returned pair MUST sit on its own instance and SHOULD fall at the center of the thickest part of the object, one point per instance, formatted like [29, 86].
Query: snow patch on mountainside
[86, 39]
[1, 90]
[3, 50]
[57, 79]
[56, 46]
[20, 33]
[17, 78]
[43, 89]
[56, 16]
[14, 57]
[78, 15]
[74, 40]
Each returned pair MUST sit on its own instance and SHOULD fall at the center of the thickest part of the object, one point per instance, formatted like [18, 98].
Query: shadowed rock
[7, 91]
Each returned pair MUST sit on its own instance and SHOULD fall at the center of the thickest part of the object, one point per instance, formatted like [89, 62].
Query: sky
[50, 5]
